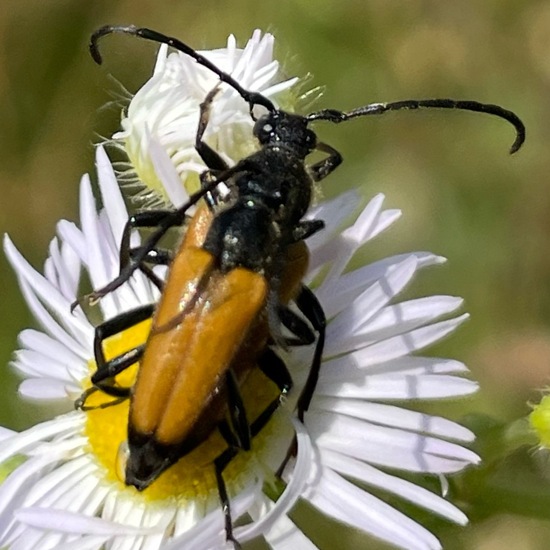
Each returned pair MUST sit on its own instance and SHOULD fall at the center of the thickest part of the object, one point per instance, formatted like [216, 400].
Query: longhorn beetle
[225, 299]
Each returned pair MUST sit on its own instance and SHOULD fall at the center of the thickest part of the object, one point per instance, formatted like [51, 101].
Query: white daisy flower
[357, 435]
[164, 114]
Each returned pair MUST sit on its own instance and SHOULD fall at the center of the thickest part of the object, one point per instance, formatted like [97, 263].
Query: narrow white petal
[401, 345]
[85, 543]
[64, 269]
[100, 268]
[276, 88]
[35, 363]
[43, 389]
[334, 213]
[392, 321]
[209, 532]
[113, 201]
[37, 291]
[22, 442]
[385, 220]
[71, 235]
[411, 364]
[166, 172]
[284, 534]
[292, 492]
[74, 523]
[14, 489]
[394, 386]
[366, 305]
[5, 433]
[50, 491]
[402, 488]
[342, 500]
[392, 416]
[346, 244]
[385, 446]
[53, 349]
[61, 331]
[73, 267]
[350, 285]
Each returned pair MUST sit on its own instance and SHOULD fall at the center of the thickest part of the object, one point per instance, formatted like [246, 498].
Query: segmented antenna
[252, 98]
[333, 115]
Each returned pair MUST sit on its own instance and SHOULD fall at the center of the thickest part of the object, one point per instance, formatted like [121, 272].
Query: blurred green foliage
[461, 194]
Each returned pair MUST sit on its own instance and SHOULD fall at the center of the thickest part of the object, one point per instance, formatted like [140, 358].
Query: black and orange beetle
[226, 298]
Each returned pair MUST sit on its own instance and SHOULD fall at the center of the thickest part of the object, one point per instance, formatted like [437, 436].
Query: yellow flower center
[193, 476]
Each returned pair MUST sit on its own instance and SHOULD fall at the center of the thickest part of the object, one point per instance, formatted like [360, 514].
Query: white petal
[365, 473]
[333, 213]
[85, 543]
[397, 417]
[166, 172]
[401, 345]
[53, 349]
[5, 433]
[209, 532]
[411, 364]
[343, 291]
[70, 234]
[366, 305]
[38, 290]
[342, 500]
[74, 523]
[41, 389]
[22, 442]
[284, 534]
[391, 321]
[113, 201]
[346, 244]
[63, 266]
[35, 363]
[391, 447]
[292, 491]
[393, 386]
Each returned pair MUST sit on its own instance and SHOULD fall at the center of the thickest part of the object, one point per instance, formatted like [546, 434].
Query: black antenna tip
[103, 31]
[520, 136]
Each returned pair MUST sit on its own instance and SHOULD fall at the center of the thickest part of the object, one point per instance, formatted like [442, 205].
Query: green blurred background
[462, 195]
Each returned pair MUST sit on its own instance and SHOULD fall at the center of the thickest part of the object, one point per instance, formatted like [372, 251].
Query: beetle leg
[276, 370]
[211, 158]
[323, 168]
[147, 218]
[309, 305]
[106, 370]
[80, 403]
[135, 258]
[237, 412]
[220, 464]
[298, 327]
[155, 256]
[307, 228]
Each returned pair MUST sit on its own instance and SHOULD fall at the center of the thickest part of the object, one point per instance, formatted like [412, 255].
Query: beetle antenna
[252, 98]
[332, 115]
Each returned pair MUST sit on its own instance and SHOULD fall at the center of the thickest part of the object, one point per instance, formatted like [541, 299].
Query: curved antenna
[252, 98]
[332, 115]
